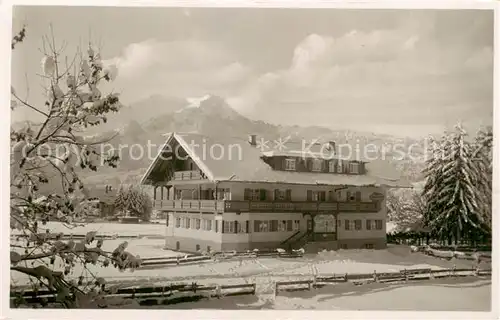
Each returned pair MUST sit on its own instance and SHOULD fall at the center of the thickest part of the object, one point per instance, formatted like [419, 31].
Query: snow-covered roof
[240, 161]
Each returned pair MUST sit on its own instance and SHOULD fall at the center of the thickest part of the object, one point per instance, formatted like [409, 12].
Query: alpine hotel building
[225, 194]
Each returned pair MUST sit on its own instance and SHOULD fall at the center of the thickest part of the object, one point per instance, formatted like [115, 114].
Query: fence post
[254, 288]
[314, 282]
[476, 271]
[345, 277]
[375, 277]
[431, 275]
[276, 288]
[453, 272]
[405, 274]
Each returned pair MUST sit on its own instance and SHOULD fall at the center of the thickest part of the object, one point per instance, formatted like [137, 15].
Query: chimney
[252, 139]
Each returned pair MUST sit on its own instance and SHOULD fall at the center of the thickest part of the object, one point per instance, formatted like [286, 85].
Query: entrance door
[309, 225]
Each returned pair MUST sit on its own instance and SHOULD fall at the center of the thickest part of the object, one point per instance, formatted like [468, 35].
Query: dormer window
[354, 167]
[290, 164]
[317, 165]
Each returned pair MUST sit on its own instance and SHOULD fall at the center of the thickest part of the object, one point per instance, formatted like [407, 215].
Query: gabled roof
[225, 158]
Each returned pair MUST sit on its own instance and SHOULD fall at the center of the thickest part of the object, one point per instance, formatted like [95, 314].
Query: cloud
[345, 78]
[181, 68]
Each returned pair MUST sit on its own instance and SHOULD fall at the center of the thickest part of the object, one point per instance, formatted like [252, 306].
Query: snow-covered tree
[46, 159]
[406, 209]
[451, 190]
[121, 201]
[483, 157]
[136, 201]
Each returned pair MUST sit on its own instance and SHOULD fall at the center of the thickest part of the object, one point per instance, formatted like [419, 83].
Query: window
[241, 226]
[339, 223]
[316, 195]
[216, 226]
[346, 225]
[331, 166]
[261, 226]
[354, 167]
[317, 165]
[368, 224]
[282, 225]
[357, 224]
[187, 223]
[255, 194]
[223, 194]
[177, 222]
[332, 196]
[290, 164]
[207, 224]
[167, 219]
[296, 225]
[378, 224]
[339, 166]
[369, 246]
[289, 225]
[229, 226]
[197, 223]
[281, 195]
[273, 225]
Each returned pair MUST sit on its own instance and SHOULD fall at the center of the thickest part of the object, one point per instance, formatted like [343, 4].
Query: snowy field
[263, 271]
[465, 294]
[452, 294]
[121, 229]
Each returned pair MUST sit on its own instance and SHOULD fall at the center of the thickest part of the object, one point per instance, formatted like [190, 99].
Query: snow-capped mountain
[144, 122]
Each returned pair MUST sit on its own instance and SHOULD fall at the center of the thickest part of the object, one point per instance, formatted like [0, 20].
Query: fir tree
[121, 201]
[451, 190]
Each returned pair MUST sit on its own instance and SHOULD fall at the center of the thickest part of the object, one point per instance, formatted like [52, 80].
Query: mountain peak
[211, 105]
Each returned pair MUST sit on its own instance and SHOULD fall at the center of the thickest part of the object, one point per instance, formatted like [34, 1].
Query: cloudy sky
[409, 72]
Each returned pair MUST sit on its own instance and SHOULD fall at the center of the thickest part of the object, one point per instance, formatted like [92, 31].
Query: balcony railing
[188, 175]
[264, 206]
[190, 205]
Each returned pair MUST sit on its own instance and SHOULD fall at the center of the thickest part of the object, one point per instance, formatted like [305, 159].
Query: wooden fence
[388, 277]
[178, 293]
[147, 296]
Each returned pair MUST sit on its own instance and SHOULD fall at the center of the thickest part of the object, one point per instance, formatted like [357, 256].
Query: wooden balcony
[211, 206]
[188, 175]
[220, 206]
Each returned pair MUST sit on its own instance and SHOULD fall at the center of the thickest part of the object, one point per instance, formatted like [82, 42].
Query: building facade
[260, 199]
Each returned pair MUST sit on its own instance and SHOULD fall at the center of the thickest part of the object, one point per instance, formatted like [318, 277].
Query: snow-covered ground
[121, 229]
[264, 271]
[464, 294]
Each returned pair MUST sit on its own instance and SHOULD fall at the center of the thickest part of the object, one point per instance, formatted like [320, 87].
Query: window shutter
[246, 195]
[222, 229]
[322, 196]
[276, 194]
[256, 226]
[263, 194]
[309, 195]
[247, 226]
[326, 165]
[236, 226]
[309, 164]
[289, 225]
[289, 194]
[358, 195]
